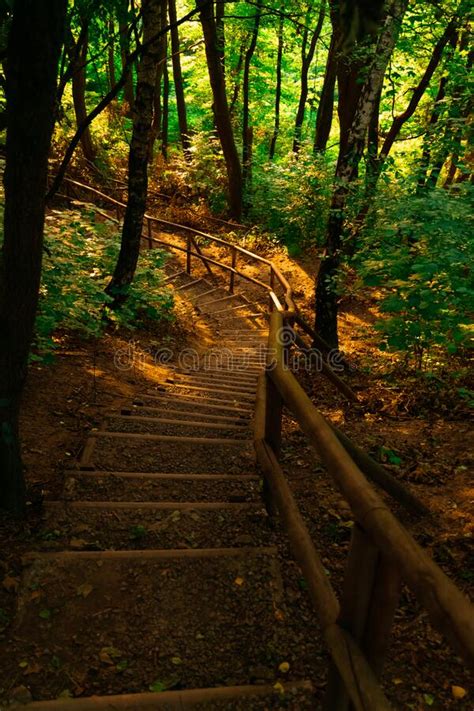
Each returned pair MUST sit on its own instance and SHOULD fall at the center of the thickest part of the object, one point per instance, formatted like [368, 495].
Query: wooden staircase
[163, 577]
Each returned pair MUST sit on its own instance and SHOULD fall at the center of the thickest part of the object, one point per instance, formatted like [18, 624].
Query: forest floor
[417, 426]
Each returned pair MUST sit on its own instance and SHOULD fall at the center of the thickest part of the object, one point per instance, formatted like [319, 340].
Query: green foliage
[203, 177]
[291, 199]
[80, 258]
[421, 255]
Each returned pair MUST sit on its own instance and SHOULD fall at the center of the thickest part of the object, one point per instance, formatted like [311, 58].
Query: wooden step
[213, 293]
[173, 277]
[128, 525]
[234, 388]
[175, 400]
[118, 451]
[296, 695]
[203, 615]
[205, 392]
[153, 486]
[150, 411]
[205, 376]
[216, 305]
[175, 427]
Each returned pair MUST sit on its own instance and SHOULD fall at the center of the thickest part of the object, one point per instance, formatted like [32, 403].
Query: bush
[421, 254]
[291, 199]
[79, 260]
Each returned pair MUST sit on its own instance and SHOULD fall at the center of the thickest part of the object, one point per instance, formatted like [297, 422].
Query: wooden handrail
[449, 610]
[185, 228]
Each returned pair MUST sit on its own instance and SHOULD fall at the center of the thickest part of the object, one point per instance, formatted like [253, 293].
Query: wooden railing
[382, 553]
[193, 250]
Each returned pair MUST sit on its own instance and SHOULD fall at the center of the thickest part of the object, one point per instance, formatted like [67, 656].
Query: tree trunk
[178, 79]
[220, 27]
[349, 157]
[157, 123]
[376, 162]
[221, 108]
[306, 59]
[247, 133]
[128, 92]
[276, 129]
[33, 53]
[138, 156]
[326, 100]
[426, 154]
[111, 53]
[373, 142]
[236, 73]
[166, 107]
[79, 99]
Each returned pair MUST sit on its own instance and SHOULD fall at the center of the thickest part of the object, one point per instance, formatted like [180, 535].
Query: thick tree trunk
[138, 156]
[178, 79]
[32, 61]
[326, 100]
[276, 129]
[349, 157]
[247, 132]
[221, 108]
[306, 59]
[79, 98]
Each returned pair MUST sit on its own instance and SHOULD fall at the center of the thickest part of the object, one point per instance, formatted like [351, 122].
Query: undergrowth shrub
[203, 177]
[291, 199]
[420, 253]
[78, 263]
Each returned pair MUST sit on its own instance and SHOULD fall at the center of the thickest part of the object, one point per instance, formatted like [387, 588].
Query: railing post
[273, 417]
[150, 234]
[232, 274]
[369, 600]
[188, 254]
[272, 284]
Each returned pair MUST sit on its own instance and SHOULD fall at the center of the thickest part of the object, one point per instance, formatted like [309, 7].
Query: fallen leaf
[33, 668]
[45, 614]
[108, 654]
[105, 658]
[458, 692]
[77, 543]
[284, 667]
[279, 687]
[84, 590]
[239, 581]
[176, 660]
[10, 584]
